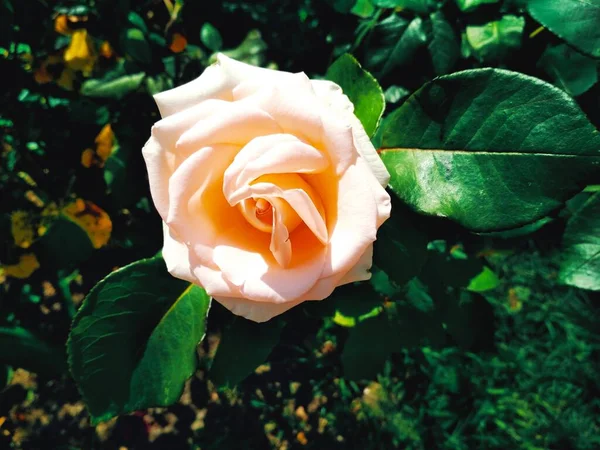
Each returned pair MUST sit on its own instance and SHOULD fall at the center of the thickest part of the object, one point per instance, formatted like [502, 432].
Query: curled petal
[236, 125]
[276, 153]
[332, 95]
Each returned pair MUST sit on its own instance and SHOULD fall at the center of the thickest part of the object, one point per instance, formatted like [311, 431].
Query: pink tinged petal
[276, 153]
[255, 311]
[214, 82]
[159, 172]
[176, 256]
[332, 95]
[237, 125]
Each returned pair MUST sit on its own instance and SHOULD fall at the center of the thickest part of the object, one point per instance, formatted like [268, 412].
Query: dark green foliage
[458, 341]
[133, 342]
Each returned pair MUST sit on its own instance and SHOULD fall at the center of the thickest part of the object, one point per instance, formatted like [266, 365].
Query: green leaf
[394, 94]
[444, 47]
[133, 342]
[65, 245]
[469, 319]
[342, 6]
[244, 346]
[251, 50]
[401, 246]
[211, 37]
[580, 265]
[494, 41]
[486, 280]
[489, 149]
[568, 69]
[363, 8]
[368, 346]
[137, 21]
[418, 6]
[471, 5]
[361, 88]
[393, 43]
[21, 348]
[115, 88]
[575, 21]
[354, 303]
[135, 45]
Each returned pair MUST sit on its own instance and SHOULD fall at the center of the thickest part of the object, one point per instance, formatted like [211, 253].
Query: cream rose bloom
[270, 191]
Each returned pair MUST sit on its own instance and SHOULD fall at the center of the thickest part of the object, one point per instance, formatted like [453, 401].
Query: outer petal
[177, 256]
[259, 276]
[159, 173]
[251, 310]
[216, 82]
[360, 210]
[333, 96]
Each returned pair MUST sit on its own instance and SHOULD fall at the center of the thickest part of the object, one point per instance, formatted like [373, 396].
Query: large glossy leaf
[361, 88]
[489, 149]
[244, 346]
[575, 21]
[568, 69]
[581, 253]
[133, 342]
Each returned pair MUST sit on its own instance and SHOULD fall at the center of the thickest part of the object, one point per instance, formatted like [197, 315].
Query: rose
[269, 189]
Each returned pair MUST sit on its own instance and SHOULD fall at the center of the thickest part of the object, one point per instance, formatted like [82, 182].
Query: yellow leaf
[105, 142]
[106, 50]
[61, 24]
[92, 219]
[80, 55]
[22, 228]
[87, 158]
[66, 79]
[28, 263]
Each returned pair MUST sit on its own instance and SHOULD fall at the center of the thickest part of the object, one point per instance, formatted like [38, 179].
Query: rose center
[259, 213]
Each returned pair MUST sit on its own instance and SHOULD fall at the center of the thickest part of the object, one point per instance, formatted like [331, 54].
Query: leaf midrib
[482, 152]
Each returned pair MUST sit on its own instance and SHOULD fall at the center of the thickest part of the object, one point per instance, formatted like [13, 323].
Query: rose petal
[176, 256]
[358, 217]
[276, 153]
[260, 277]
[280, 245]
[213, 83]
[294, 190]
[251, 310]
[158, 175]
[237, 125]
[334, 97]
